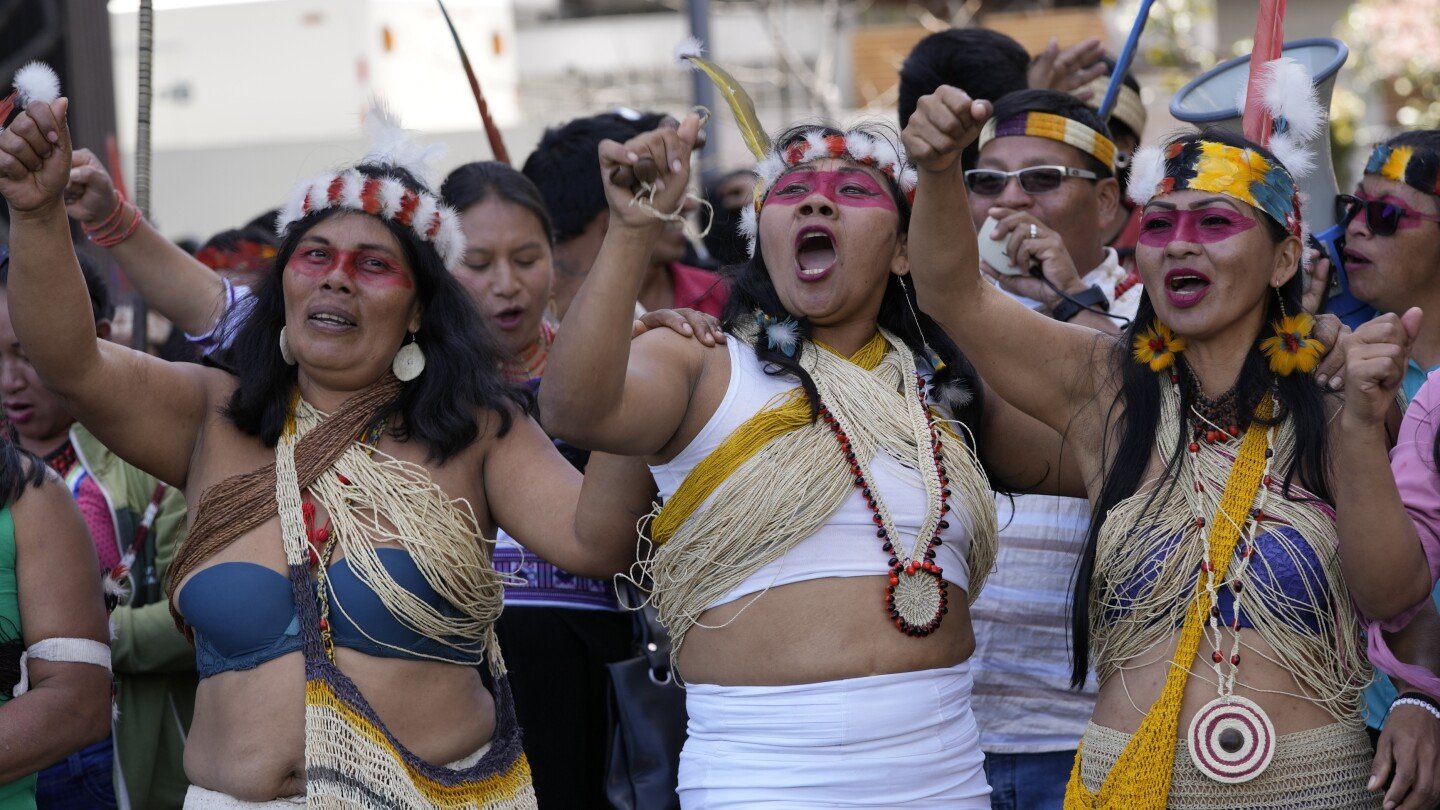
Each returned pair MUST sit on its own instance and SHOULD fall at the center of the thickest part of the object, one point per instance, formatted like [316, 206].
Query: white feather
[951, 396]
[1147, 172]
[770, 169]
[815, 147]
[689, 48]
[294, 207]
[424, 215]
[393, 145]
[783, 336]
[1290, 95]
[859, 145]
[748, 227]
[351, 188]
[450, 241]
[36, 82]
[908, 179]
[1293, 154]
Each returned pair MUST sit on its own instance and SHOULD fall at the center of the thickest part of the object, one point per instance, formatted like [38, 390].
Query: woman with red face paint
[335, 579]
[1215, 593]
[827, 516]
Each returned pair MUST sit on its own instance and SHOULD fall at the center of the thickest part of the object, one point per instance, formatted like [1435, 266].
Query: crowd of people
[997, 460]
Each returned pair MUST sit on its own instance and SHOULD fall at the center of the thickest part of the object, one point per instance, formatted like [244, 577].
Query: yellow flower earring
[1157, 346]
[1292, 348]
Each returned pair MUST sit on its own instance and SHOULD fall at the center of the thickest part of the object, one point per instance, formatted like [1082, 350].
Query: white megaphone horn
[1210, 101]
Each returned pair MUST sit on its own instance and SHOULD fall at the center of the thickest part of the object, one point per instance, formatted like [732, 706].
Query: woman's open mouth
[331, 320]
[815, 253]
[509, 319]
[1185, 288]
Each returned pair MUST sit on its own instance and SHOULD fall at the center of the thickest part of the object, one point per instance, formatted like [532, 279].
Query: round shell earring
[285, 353]
[409, 361]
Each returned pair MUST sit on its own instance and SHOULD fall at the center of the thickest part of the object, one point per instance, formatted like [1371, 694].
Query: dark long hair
[474, 183]
[439, 407]
[19, 470]
[1136, 412]
[752, 290]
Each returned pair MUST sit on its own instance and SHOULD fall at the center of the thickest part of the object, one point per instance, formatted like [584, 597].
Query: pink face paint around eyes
[1409, 217]
[1192, 226]
[853, 189]
[364, 266]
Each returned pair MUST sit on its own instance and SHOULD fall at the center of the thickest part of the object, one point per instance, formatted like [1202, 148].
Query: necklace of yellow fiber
[1140, 779]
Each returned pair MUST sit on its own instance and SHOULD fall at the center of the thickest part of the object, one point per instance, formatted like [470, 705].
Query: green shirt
[20, 794]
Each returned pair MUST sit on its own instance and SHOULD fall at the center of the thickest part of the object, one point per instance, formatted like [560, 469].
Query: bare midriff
[1130, 692]
[815, 631]
[248, 738]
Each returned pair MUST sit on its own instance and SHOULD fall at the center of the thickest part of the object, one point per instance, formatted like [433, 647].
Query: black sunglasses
[1034, 180]
[1383, 218]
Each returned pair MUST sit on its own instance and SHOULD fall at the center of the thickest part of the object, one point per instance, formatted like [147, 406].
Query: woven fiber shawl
[781, 475]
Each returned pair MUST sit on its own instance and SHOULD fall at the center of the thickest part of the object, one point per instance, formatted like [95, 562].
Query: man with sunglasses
[1046, 175]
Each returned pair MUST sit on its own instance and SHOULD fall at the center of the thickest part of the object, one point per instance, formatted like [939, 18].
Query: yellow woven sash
[1140, 779]
[743, 443]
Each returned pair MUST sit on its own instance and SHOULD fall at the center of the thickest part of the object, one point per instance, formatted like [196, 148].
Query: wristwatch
[1072, 305]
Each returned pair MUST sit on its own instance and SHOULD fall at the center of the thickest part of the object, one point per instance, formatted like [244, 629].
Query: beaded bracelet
[112, 230]
[1417, 699]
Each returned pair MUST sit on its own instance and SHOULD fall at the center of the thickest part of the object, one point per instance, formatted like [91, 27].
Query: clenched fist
[944, 123]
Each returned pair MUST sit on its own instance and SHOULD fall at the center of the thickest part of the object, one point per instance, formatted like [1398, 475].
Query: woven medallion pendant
[917, 598]
[1231, 740]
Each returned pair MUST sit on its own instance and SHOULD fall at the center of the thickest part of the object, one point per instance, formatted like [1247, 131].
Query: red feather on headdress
[497, 143]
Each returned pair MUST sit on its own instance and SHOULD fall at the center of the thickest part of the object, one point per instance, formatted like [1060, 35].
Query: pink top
[1412, 462]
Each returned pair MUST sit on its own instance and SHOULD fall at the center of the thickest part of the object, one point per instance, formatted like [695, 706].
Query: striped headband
[1239, 173]
[856, 147]
[1129, 109]
[429, 219]
[1055, 127]
[1417, 168]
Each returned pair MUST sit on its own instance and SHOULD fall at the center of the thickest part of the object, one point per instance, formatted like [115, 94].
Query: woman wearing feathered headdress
[336, 579]
[1230, 493]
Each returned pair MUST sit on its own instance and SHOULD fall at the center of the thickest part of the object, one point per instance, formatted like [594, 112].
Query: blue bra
[243, 615]
[1277, 576]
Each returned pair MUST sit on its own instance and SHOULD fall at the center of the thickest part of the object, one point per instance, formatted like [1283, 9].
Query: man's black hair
[985, 64]
[565, 167]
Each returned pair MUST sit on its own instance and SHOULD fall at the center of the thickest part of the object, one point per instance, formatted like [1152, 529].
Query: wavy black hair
[753, 291]
[1136, 417]
[462, 372]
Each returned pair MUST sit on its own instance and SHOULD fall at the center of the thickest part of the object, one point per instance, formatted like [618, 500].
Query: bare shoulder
[44, 514]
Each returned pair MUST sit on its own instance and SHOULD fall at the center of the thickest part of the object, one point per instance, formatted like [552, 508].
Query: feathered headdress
[385, 197]
[1416, 168]
[813, 144]
[34, 82]
[1287, 98]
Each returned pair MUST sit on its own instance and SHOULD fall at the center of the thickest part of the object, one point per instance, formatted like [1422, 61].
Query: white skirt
[902, 740]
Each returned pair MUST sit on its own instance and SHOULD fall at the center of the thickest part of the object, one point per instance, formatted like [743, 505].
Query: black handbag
[647, 718]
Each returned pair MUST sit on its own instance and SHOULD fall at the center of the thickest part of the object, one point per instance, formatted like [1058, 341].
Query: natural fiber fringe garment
[351, 759]
[1147, 559]
[1291, 782]
[779, 476]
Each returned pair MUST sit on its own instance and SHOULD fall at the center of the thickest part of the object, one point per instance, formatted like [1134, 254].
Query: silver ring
[1034, 232]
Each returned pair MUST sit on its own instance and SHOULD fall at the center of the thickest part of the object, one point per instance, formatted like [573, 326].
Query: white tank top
[846, 545]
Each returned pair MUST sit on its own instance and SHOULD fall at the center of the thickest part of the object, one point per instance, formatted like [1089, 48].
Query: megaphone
[1210, 101]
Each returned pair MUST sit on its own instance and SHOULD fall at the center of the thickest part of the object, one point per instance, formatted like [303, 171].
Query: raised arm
[172, 282]
[1040, 365]
[599, 393]
[1381, 555]
[146, 410]
[586, 527]
[68, 704]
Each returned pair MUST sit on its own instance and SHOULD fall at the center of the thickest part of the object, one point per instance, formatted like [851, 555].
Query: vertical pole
[139, 339]
[701, 89]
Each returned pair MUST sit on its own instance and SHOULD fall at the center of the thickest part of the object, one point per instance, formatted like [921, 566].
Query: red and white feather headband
[385, 197]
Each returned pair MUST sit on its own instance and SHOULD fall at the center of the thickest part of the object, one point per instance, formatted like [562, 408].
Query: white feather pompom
[783, 336]
[36, 82]
[393, 145]
[749, 228]
[689, 48]
[1290, 96]
[1147, 172]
